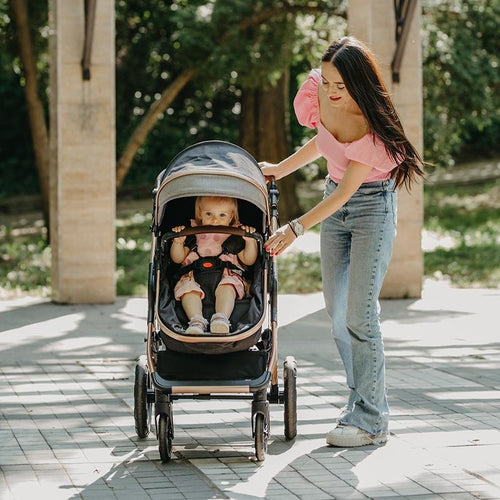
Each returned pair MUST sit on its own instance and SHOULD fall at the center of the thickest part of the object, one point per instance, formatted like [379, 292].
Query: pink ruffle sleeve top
[369, 150]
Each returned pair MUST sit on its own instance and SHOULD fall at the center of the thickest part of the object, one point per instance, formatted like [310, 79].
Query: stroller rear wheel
[290, 396]
[261, 436]
[165, 437]
[142, 409]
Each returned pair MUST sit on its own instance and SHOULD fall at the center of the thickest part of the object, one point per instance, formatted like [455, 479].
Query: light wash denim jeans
[356, 247]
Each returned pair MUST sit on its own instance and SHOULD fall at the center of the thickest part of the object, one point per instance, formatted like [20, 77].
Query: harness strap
[211, 264]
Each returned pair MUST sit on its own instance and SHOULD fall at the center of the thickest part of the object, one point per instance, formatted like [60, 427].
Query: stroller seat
[246, 318]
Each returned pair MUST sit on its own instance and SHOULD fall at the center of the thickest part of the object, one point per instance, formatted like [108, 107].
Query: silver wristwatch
[296, 227]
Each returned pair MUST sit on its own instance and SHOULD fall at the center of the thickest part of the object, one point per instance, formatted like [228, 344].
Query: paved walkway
[67, 429]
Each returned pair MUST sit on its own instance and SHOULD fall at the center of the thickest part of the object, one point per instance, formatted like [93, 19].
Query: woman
[368, 157]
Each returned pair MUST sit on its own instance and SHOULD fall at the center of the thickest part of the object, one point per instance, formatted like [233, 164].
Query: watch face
[298, 227]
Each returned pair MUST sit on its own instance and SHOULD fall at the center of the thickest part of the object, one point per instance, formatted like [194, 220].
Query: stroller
[242, 364]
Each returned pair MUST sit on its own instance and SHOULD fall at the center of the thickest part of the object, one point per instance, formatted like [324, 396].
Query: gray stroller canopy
[212, 168]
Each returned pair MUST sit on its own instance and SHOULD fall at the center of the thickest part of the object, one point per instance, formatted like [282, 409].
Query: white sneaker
[219, 324]
[197, 326]
[348, 436]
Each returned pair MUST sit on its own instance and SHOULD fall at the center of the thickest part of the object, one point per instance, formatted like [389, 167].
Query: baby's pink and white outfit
[210, 245]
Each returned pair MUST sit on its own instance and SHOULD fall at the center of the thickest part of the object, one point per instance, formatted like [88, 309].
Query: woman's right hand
[270, 169]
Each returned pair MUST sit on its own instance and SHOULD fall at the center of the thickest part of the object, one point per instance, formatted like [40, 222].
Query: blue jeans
[356, 247]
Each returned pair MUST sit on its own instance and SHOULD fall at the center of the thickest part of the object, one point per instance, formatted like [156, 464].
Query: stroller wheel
[290, 396]
[142, 409]
[261, 437]
[165, 437]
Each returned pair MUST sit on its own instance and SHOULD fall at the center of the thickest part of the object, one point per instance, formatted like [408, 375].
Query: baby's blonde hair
[200, 199]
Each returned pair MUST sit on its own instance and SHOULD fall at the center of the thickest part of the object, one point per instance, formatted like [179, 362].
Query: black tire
[261, 437]
[290, 396]
[142, 409]
[165, 438]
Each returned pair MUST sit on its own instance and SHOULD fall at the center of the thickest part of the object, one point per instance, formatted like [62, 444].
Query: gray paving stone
[66, 423]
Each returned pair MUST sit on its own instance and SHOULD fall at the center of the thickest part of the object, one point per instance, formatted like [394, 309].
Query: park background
[248, 59]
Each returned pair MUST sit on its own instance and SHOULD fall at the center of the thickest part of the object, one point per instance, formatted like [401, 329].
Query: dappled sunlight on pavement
[67, 426]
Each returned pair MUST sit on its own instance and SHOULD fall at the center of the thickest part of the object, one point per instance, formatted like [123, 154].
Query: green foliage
[241, 44]
[25, 261]
[17, 173]
[153, 47]
[299, 273]
[231, 44]
[468, 217]
[133, 247]
[461, 79]
[466, 265]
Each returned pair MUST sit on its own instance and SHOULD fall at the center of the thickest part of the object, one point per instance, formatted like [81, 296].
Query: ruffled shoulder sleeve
[306, 102]
[370, 150]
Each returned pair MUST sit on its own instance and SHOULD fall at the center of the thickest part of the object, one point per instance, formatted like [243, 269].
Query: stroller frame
[154, 394]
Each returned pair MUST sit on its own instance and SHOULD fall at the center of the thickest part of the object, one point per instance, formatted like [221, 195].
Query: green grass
[299, 273]
[467, 218]
[25, 262]
[133, 248]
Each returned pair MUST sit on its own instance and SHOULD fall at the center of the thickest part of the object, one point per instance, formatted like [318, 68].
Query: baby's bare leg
[192, 305]
[225, 295]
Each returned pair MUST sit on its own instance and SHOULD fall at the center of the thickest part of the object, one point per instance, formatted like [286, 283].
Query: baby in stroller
[230, 255]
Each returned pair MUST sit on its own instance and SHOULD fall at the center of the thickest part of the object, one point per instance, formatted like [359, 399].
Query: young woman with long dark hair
[368, 156]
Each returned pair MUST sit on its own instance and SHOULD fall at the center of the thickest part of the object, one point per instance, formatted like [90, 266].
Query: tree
[265, 119]
[201, 49]
[36, 112]
[189, 70]
[250, 44]
[264, 134]
[461, 79]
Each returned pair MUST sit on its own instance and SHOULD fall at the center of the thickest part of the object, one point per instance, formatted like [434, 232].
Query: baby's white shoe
[219, 324]
[197, 326]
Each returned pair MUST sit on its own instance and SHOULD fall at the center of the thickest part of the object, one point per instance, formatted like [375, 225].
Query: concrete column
[373, 21]
[82, 147]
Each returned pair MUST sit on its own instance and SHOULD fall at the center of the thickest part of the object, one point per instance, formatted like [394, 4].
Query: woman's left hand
[280, 240]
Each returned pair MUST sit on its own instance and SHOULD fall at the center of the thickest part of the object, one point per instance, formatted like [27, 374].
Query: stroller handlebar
[213, 229]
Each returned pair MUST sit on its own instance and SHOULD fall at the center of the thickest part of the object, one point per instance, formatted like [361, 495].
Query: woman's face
[334, 88]
[214, 212]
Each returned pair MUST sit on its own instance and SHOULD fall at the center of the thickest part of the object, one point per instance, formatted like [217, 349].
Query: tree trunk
[141, 132]
[36, 114]
[264, 133]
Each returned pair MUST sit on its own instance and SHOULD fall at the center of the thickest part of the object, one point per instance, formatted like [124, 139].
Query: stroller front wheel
[165, 438]
[290, 396]
[142, 408]
[261, 436]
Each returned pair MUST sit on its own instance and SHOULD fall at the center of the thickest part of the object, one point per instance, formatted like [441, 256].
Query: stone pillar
[82, 155]
[373, 21]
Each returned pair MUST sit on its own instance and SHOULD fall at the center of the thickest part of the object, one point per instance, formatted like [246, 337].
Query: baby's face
[216, 212]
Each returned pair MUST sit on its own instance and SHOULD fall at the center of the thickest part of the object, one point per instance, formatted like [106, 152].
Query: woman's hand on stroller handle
[269, 170]
[280, 240]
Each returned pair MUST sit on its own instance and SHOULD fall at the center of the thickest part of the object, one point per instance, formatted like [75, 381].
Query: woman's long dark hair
[358, 69]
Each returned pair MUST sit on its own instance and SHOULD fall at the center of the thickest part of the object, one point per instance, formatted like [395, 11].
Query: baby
[213, 211]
